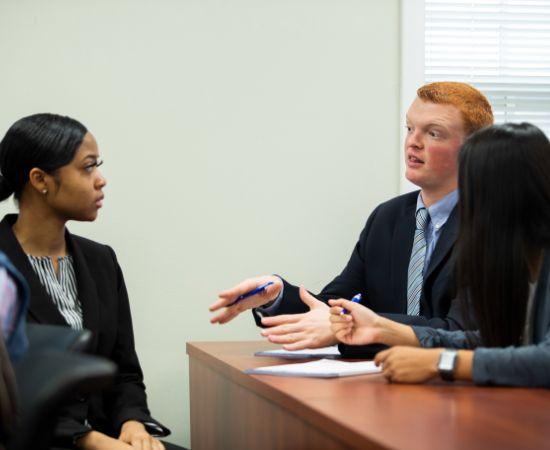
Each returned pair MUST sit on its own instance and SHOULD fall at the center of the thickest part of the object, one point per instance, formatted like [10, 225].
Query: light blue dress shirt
[439, 214]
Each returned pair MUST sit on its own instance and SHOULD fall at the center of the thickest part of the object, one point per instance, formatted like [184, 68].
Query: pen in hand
[252, 292]
[355, 299]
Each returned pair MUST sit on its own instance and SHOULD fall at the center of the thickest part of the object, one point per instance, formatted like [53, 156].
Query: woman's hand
[358, 327]
[362, 326]
[94, 440]
[408, 364]
[135, 434]
[132, 436]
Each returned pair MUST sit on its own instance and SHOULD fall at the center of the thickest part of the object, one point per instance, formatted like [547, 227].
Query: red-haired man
[402, 262]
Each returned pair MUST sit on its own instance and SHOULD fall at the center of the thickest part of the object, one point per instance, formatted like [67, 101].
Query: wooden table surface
[360, 412]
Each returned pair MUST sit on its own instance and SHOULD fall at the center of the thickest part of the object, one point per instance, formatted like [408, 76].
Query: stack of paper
[322, 368]
[325, 352]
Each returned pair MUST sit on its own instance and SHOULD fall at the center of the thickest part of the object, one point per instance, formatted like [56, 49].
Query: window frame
[412, 70]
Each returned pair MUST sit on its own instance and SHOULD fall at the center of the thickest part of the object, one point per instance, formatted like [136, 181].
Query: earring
[44, 191]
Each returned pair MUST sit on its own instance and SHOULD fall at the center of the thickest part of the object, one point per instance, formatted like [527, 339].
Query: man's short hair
[474, 107]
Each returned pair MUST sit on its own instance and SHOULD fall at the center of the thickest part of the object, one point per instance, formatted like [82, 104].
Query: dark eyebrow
[92, 157]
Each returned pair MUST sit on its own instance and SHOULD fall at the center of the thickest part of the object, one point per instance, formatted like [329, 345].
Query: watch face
[446, 364]
[447, 360]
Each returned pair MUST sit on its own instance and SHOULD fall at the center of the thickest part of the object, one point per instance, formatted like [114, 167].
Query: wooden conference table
[233, 410]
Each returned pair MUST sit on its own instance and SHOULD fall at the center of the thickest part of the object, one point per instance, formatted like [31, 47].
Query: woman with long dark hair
[503, 270]
[50, 164]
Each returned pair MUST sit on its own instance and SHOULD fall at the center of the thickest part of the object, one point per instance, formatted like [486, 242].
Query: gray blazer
[527, 365]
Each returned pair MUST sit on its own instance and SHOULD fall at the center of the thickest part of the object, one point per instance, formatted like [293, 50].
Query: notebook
[324, 352]
[322, 368]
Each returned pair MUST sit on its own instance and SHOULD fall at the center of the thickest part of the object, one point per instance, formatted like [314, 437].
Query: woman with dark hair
[503, 270]
[50, 164]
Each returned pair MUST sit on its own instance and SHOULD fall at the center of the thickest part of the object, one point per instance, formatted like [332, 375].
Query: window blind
[501, 47]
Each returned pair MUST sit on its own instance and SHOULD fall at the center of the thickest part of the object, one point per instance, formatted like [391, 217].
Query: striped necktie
[416, 263]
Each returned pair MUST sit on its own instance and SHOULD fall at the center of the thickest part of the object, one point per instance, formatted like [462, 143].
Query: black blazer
[378, 269]
[106, 312]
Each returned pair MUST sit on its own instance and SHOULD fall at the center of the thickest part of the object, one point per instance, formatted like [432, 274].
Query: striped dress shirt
[60, 286]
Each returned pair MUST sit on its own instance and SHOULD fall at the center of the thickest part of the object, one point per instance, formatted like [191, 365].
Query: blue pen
[252, 292]
[355, 299]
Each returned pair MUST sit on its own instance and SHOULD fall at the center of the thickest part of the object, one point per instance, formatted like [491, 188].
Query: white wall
[240, 137]
[412, 67]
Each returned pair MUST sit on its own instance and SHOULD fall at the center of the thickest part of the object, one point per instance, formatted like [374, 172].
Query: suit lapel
[41, 307]
[445, 242]
[401, 253]
[87, 290]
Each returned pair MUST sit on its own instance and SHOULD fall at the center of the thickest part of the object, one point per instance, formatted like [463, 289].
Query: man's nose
[413, 139]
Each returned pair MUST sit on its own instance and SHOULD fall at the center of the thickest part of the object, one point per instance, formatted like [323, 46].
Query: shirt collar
[440, 210]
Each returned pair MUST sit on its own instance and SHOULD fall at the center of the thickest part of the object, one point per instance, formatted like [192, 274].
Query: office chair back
[49, 375]
[46, 381]
[45, 336]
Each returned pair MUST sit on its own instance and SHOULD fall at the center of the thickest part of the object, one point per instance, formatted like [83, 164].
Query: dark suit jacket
[106, 312]
[378, 269]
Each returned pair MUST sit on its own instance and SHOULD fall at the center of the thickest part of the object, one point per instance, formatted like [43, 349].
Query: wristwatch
[447, 364]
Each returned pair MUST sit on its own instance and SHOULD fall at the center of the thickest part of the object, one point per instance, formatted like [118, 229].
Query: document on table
[324, 352]
[322, 368]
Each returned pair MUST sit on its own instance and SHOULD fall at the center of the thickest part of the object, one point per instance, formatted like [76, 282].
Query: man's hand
[408, 364]
[299, 331]
[226, 298]
[134, 433]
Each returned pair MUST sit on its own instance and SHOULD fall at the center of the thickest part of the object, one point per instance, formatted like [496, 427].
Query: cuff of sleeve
[424, 336]
[80, 434]
[155, 430]
[152, 426]
[272, 307]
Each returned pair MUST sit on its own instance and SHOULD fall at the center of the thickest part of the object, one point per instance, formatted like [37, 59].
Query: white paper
[322, 368]
[324, 352]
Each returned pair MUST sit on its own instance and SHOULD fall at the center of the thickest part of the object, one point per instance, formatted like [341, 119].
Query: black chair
[58, 337]
[45, 382]
[49, 375]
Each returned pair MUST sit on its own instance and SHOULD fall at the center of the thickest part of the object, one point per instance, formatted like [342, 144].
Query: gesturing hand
[228, 297]
[299, 331]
